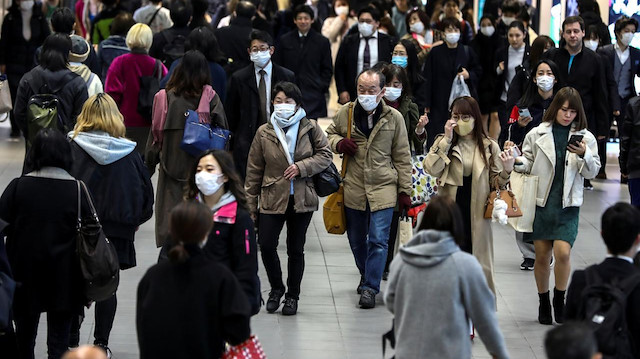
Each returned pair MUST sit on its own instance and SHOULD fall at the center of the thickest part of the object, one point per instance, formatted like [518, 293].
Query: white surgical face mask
[544, 82]
[365, 29]
[591, 44]
[417, 27]
[260, 58]
[452, 37]
[487, 30]
[284, 110]
[26, 5]
[368, 102]
[392, 93]
[508, 20]
[342, 10]
[626, 38]
[208, 183]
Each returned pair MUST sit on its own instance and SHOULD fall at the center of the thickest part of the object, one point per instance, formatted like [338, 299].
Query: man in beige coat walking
[378, 176]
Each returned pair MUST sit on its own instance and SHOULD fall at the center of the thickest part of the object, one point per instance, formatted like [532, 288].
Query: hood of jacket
[103, 148]
[428, 248]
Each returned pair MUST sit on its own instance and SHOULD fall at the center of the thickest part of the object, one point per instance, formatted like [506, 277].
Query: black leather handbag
[328, 181]
[98, 257]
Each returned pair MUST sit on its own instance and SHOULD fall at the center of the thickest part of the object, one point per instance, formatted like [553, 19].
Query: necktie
[262, 90]
[302, 39]
[366, 57]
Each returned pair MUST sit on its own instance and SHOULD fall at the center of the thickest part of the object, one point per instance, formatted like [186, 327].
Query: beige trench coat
[448, 168]
[381, 167]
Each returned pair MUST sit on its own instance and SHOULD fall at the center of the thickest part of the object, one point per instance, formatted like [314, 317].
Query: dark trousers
[14, 81]
[105, 315]
[634, 191]
[269, 228]
[58, 327]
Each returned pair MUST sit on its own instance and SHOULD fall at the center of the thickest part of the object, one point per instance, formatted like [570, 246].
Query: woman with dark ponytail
[191, 289]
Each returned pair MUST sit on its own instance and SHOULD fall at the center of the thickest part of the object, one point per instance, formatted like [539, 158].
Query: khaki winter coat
[381, 167]
[448, 168]
[265, 183]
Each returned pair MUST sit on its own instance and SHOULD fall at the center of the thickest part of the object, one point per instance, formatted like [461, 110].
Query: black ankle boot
[558, 305]
[544, 310]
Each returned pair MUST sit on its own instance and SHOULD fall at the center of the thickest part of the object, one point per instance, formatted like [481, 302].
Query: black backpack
[603, 307]
[173, 50]
[43, 108]
[149, 86]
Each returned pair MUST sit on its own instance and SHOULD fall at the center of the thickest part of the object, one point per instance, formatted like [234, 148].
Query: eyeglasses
[259, 49]
[464, 118]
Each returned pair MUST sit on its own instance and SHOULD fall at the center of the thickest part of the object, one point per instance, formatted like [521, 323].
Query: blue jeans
[368, 234]
[634, 191]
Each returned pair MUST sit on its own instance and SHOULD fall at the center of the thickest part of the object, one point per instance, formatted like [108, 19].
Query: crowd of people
[102, 94]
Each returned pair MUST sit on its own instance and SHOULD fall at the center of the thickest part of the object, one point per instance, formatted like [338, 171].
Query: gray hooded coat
[433, 288]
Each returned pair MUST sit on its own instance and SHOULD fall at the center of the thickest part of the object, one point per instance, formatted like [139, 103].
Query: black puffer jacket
[16, 52]
[630, 140]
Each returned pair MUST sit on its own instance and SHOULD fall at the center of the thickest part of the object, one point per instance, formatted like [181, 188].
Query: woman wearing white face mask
[215, 182]
[285, 154]
[188, 89]
[335, 28]
[24, 29]
[469, 164]
[441, 67]
[421, 33]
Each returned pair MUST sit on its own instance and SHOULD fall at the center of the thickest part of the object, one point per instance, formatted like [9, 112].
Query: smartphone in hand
[575, 140]
[524, 112]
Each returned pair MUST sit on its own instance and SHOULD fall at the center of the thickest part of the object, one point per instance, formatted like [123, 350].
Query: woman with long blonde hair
[121, 186]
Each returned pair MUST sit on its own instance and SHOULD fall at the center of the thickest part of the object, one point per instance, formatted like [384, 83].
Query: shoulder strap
[628, 284]
[310, 133]
[91, 207]
[154, 16]
[343, 172]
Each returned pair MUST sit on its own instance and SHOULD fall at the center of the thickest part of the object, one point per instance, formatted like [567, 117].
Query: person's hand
[616, 113]
[507, 160]
[347, 146]
[344, 97]
[422, 122]
[507, 145]
[579, 150]
[524, 121]
[254, 217]
[600, 138]
[291, 172]
[437, 43]
[448, 128]
[501, 65]
[404, 202]
[3, 68]
[625, 176]
[464, 73]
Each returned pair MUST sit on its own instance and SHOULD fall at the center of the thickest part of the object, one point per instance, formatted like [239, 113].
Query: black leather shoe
[273, 303]
[359, 289]
[367, 299]
[290, 306]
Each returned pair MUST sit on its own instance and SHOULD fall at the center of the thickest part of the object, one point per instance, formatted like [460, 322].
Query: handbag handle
[343, 172]
[93, 209]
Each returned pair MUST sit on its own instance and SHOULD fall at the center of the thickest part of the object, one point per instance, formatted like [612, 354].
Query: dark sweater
[189, 310]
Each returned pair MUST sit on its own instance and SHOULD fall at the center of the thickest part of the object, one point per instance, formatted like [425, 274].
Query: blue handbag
[199, 137]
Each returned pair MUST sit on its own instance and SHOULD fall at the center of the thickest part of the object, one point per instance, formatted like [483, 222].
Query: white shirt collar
[301, 34]
[267, 68]
[628, 259]
[373, 36]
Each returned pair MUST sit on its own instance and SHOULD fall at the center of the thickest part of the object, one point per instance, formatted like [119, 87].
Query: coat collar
[305, 126]
[545, 140]
[478, 162]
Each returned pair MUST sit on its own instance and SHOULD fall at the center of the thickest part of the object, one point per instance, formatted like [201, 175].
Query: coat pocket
[268, 196]
[310, 196]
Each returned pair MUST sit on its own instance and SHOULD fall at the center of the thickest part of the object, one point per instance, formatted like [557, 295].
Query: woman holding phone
[560, 146]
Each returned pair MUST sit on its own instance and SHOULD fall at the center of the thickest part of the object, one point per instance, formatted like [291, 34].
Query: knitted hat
[79, 49]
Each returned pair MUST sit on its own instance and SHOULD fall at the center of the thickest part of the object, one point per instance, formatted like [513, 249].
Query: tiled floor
[329, 323]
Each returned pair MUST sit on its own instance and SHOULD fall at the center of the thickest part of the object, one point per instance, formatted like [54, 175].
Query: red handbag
[249, 349]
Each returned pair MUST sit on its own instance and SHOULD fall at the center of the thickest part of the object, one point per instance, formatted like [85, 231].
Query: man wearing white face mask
[510, 10]
[378, 176]
[441, 67]
[247, 105]
[624, 60]
[398, 16]
[359, 52]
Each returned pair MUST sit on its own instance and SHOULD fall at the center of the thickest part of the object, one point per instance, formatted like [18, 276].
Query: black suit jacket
[234, 42]
[608, 52]
[347, 61]
[312, 67]
[586, 76]
[243, 109]
[609, 269]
